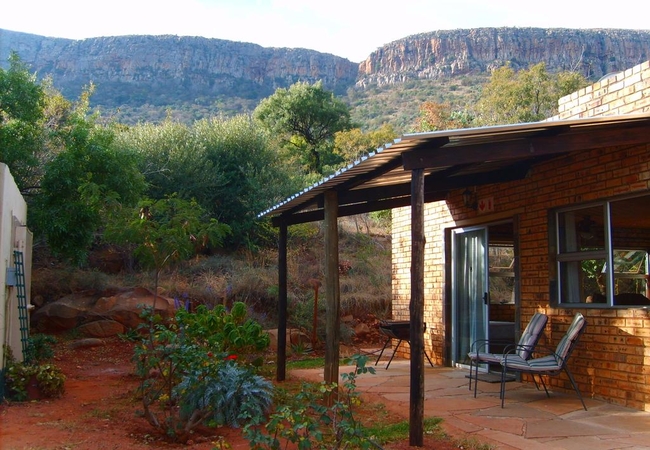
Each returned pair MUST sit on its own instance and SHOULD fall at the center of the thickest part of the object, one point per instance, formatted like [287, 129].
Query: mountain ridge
[207, 76]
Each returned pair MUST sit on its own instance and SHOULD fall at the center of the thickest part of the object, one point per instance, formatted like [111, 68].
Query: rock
[107, 259]
[101, 328]
[361, 330]
[295, 337]
[64, 314]
[298, 338]
[123, 307]
[161, 65]
[345, 351]
[447, 53]
[126, 307]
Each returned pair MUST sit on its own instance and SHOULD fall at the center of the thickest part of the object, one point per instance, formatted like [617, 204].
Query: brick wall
[613, 360]
[622, 93]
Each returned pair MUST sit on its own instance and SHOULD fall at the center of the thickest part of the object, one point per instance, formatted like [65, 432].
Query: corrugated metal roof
[384, 167]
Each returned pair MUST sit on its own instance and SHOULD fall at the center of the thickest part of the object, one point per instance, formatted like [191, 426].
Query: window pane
[583, 281]
[502, 274]
[631, 240]
[581, 230]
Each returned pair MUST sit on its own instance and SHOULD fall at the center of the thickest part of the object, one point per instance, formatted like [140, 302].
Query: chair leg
[502, 393]
[575, 387]
[541, 378]
[476, 376]
[393, 355]
[535, 380]
[382, 350]
[471, 361]
[427, 356]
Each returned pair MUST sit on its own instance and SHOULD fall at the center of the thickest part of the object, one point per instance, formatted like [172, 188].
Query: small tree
[525, 96]
[305, 117]
[165, 231]
[440, 116]
[22, 100]
[352, 144]
[84, 180]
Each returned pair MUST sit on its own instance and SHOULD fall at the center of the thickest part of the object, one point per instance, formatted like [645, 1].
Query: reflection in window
[501, 263]
[602, 253]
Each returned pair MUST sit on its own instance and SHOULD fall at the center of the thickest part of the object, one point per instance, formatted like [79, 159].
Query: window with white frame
[601, 254]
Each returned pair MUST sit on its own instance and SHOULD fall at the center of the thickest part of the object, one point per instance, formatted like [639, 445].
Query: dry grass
[253, 277]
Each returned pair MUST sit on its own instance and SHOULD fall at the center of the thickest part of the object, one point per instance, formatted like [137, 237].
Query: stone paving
[529, 419]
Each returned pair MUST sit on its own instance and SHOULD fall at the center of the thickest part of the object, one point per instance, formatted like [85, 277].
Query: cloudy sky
[349, 28]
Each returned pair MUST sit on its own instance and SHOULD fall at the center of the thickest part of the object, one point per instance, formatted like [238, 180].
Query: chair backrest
[531, 335]
[570, 339]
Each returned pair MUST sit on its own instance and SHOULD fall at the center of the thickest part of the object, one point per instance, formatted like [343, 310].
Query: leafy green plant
[39, 348]
[165, 231]
[48, 378]
[191, 372]
[307, 421]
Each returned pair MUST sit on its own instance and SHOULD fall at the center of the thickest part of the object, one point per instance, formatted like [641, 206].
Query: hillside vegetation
[250, 277]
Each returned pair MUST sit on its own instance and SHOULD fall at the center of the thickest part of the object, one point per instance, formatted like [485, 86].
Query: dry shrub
[252, 278]
[50, 284]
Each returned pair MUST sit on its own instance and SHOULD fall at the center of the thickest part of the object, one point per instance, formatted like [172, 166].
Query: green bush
[39, 348]
[319, 416]
[200, 369]
[49, 379]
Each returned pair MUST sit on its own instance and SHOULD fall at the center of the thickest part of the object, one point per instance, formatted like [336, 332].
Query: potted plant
[35, 377]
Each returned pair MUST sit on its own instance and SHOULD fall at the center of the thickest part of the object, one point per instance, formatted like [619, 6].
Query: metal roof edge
[459, 133]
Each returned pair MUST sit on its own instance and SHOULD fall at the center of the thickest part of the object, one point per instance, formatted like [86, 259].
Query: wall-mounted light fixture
[469, 199]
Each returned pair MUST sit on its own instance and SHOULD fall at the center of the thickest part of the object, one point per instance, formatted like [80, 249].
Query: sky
[352, 29]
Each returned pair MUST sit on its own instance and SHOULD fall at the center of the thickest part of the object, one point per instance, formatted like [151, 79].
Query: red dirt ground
[98, 410]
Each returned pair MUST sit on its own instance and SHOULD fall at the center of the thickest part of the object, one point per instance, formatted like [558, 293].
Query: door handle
[485, 298]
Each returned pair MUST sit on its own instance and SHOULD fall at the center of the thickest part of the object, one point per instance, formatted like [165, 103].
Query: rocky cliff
[155, 71]
[159, 69]
[438, 54]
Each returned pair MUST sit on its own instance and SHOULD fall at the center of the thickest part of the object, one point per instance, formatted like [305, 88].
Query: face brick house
[572, 235]
[491, 225]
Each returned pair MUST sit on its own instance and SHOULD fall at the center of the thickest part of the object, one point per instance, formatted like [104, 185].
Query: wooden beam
[351, 210]
[332, 291]
[416, 306]
[282, 304]
[583, 139]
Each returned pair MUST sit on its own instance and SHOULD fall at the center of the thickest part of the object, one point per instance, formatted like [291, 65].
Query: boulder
[295, 337]
[126, 307]
[123, 307]
[361, 330]
[64, 314]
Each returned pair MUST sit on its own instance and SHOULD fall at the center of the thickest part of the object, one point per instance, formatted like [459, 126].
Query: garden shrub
[198, 369]
[319, 416]
[35, 369]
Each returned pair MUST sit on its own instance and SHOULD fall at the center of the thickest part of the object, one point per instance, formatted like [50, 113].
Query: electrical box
[10, 277]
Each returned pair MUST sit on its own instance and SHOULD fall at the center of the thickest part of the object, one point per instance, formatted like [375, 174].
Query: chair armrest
[480, 344]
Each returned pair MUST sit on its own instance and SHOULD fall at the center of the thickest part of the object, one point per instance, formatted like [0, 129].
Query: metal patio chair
[524, 348]
[551, 364]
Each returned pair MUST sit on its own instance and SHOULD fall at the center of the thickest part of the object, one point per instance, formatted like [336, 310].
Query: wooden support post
[416, 307]
[332, 291]
[282, 304]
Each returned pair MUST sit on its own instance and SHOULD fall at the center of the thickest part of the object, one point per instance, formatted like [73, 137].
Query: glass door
[469, 290]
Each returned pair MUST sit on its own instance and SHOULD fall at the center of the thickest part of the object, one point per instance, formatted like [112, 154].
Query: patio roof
[454, 159]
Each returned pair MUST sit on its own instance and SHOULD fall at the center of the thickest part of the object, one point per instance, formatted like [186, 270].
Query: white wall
[13, 236]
